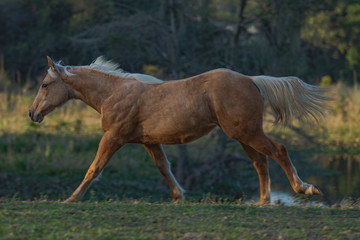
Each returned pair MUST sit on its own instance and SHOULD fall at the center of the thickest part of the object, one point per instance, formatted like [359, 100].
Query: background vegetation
[171, 39]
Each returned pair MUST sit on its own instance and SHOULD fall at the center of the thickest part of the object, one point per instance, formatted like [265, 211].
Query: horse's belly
[174, 134]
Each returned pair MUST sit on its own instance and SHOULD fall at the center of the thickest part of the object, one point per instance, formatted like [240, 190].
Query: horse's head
[52, 93]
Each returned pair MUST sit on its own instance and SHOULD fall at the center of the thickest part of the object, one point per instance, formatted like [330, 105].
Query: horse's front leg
[109, 144]
[158, 155]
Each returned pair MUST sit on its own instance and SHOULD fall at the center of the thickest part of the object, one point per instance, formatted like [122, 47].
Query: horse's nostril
[30, 114]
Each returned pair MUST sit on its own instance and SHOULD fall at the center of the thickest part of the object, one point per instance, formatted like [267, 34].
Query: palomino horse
[137, 108]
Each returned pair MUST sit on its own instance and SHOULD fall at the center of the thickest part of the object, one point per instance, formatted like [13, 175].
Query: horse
[141, 109]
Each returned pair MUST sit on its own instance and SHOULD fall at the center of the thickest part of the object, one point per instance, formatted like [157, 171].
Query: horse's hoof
[263, 202]
[70, 200]
[317, 191]
[313, 190]
[179, 199]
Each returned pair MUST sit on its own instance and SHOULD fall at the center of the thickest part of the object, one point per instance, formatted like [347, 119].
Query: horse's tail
[290, 97]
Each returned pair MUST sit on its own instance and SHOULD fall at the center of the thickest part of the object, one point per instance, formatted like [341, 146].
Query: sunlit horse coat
[141, 109]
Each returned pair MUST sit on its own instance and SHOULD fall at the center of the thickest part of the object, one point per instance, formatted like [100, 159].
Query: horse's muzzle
[35, 116]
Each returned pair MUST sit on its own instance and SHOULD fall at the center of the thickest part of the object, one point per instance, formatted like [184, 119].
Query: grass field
[143, 220]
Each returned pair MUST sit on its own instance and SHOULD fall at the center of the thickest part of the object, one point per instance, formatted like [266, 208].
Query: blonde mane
[109, 67]
[112, 68]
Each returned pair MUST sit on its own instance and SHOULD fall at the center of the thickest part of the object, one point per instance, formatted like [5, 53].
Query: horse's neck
[91, 87]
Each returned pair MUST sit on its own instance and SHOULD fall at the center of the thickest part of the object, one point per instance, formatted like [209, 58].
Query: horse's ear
[52, 65]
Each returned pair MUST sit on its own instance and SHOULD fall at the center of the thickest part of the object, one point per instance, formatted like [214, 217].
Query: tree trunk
[174, 50]
[239, 28]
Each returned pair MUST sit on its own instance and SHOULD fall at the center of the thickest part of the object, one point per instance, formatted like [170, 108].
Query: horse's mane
[109, 67]
[112, 68]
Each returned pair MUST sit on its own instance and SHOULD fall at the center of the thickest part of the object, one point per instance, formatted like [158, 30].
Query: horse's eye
[44, 85]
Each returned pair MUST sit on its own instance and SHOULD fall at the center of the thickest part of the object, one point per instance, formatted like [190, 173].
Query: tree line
[174, 39]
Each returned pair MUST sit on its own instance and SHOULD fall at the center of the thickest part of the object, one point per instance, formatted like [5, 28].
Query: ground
[134, 219]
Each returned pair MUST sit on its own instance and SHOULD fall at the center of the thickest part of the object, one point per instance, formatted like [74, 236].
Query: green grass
[143, 220]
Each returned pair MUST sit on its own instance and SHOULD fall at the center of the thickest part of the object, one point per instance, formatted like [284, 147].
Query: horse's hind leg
[260, 163]
[264, 145]
[158, 155]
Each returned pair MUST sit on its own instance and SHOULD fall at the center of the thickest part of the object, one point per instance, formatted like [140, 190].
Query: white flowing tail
[290, 97]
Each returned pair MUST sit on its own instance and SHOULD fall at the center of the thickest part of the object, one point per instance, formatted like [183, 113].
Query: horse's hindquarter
[238, 104]
[184, 110]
